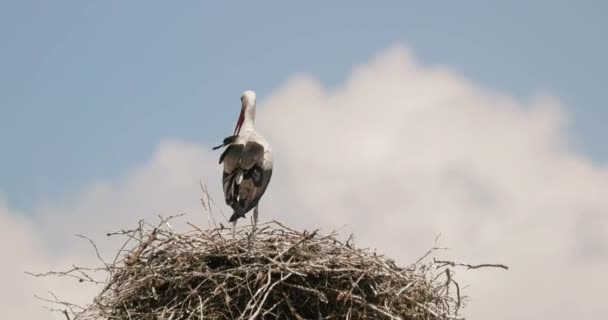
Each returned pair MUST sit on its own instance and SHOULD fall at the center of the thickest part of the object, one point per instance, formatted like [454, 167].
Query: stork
[247, 163]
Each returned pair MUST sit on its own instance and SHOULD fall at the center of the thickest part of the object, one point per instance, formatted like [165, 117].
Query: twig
[132, 259]
[280, 273]
[94, 247]
[444, 263]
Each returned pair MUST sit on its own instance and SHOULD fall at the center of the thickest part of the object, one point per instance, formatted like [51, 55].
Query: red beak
[237, 128]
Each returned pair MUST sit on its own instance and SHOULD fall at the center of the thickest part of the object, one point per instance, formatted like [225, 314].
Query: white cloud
[16, 287]
[402, 152]
[399, 153]
[167, 185]
[24, 251]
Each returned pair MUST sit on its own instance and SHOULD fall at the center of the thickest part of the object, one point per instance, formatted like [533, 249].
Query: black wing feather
[227, 141]
[235, 147]
[248, 156]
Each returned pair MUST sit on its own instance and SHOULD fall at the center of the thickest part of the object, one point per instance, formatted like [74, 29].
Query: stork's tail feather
[232, 184]
[234, 217]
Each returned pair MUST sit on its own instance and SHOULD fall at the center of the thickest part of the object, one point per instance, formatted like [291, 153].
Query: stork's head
[247, 110]
[248, 99]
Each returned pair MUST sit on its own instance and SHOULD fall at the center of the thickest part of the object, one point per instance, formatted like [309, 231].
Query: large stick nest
[270, 272]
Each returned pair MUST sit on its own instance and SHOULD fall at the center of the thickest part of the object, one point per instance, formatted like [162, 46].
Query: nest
[270, 272]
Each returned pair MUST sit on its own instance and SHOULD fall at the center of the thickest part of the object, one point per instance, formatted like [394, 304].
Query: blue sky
[108, 111]
[89, 89]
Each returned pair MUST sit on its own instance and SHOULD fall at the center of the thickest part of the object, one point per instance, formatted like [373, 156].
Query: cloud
[14, 230]
[168, 184]
[402, 152]
[24, 251]
[398, 153]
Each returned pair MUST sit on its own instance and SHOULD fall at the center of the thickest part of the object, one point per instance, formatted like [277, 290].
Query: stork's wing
[253, 154]
[245, 177]
[227, 141]
[235, 149]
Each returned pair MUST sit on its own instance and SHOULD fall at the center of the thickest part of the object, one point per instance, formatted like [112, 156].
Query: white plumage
[247, 163]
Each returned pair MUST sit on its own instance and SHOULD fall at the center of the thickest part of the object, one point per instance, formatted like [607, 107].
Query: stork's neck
[249, 119]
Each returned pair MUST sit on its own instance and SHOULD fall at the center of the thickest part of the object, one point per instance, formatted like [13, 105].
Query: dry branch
[442, 263]
[273, 272]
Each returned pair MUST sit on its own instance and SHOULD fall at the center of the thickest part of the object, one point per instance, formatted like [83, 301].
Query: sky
[481, 121]
[87, 89]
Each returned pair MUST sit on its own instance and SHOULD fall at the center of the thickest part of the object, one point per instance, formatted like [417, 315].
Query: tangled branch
[272, 272]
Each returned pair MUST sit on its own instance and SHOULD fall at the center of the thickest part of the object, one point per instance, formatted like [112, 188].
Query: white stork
[247, 163]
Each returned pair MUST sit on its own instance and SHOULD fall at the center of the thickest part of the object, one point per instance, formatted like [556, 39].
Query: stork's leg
[254, 220]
